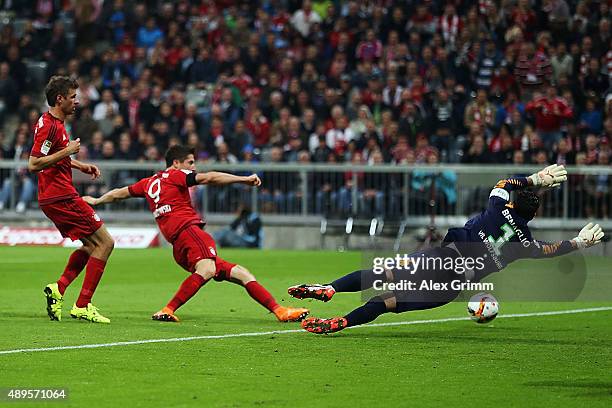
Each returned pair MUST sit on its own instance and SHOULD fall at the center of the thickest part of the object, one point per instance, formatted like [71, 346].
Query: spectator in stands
[149, 35]
[594, 82]
[532, 69]
[488, 62]
[591, 119]
[480, 111]
[549, 111]
[244, 232]
[9, 91]
[423, 181]
[375, 187]
[278, 187]
[562, 63]
[442, 123]
[4, 153]
[564, 154]
[476, 152]
[106, 108]
[22, 179]
[597, 188]
[339, 136]
[304, 18]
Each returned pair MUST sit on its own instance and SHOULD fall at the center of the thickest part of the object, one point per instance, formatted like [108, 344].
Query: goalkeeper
[498, 236]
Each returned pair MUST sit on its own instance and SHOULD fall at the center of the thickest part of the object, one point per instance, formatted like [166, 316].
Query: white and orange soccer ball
[483, 307]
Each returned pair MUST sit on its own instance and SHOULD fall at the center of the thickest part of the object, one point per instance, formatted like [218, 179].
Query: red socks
[261, 295]
[76, 263]
[188, 288]
[95, 268]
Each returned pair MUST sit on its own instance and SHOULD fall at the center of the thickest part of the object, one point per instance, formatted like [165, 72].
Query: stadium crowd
[486, 82]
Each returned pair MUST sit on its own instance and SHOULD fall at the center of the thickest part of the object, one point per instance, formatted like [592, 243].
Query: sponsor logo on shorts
[96, 217]
[212, 251]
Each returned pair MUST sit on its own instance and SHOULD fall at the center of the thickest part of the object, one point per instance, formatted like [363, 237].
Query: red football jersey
[54, 182]
[167, 193]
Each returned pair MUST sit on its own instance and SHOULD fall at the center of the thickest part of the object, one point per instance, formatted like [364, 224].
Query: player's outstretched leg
[205, 270]
[54, 292]
[376, 306]
[242, 276]
[102, 244]
[312, 291]
[363, 314]
[353, 282]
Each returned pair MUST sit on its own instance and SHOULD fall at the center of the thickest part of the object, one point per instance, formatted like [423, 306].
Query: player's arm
[588, 236]
[501, 192]
[109, 197]
[86, 168]
[543, 249]
[548, 177]
[36, 164]
[217, 178]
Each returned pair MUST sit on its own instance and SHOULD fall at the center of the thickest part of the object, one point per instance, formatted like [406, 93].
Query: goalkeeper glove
[551, 176]
[588, 236]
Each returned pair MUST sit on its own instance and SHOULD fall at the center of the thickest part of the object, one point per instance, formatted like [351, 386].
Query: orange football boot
[290, 314]
[165, 315]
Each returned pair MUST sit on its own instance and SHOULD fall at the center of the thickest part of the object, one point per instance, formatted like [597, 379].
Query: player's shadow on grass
[26, 315]
[594, 389]
[458, 336]
[229, 320]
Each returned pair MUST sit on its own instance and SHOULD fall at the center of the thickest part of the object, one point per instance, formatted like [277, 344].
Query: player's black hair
[526, 204]
[59, 85]
[178, 152]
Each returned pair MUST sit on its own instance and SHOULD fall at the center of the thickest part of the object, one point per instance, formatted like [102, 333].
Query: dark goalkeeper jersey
[500, 235]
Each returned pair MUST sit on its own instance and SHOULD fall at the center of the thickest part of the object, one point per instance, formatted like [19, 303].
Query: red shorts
[73, 218]
[194, 244]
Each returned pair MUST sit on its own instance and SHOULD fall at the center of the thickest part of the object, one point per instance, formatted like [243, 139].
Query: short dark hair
[59, 85]
[526, 204]
[178, 152]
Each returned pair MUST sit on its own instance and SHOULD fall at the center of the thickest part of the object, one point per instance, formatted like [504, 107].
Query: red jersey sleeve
[179, 177]
[138, 189]
[44, 137]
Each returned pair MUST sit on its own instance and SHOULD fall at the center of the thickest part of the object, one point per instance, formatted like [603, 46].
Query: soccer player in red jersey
[59, 200]
[167, 193]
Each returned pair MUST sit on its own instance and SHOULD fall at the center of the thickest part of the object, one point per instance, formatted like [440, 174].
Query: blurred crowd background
[404, 82]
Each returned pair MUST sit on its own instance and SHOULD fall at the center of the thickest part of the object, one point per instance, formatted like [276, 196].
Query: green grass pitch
[554, 360]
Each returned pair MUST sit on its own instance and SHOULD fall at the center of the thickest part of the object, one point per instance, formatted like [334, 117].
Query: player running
[59, 200]
[167, 193]
[499, 236]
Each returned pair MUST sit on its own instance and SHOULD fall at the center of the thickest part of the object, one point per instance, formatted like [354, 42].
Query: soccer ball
[483, 307]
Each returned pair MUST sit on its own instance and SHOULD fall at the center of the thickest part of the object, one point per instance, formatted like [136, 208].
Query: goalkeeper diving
[497, 236]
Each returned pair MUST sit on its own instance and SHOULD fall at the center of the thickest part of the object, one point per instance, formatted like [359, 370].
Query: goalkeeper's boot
[290, 314]
[324, 326]
[312, 291]
[55, 301]
[89, 313]
[165, 315]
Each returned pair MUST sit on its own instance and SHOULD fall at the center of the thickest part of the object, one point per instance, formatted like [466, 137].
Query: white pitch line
[268, 333]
